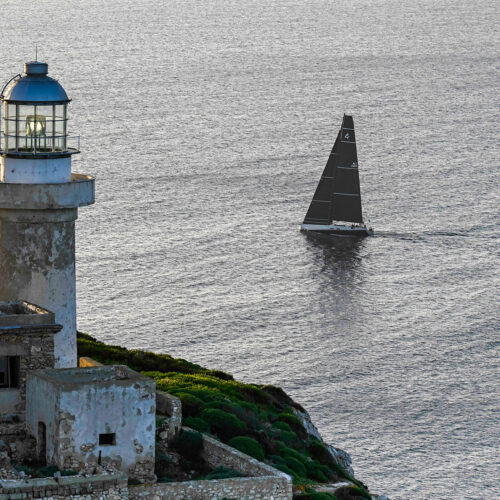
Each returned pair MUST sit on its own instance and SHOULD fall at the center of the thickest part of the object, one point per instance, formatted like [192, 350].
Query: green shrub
[222, 473]
[292, 420]
[223, 424]
[135, 359]
[68, 472]
[196, 423]
[282, 425]
[320, 452]
[287, 437]
[164, 480]
[297, 466]
[189, 444]
[319, 472]
[316, 496]
[219, 374]
[286, 470]
[249, 446]
[352, 493]
[47, 471]
[280, 397]
[285, 452]
[191, 405]
[23, 468]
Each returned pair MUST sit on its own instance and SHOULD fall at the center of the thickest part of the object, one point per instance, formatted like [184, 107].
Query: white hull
[338, 229]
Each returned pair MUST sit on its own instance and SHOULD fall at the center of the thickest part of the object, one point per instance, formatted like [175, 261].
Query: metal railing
[39, 144]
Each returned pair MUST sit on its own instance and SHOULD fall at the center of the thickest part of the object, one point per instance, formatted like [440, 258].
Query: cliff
[259, 420]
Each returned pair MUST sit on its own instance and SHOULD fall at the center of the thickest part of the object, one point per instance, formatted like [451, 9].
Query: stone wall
[218, 454]
[35, 347]
[110, 487]
[265, 482]
[240, 488]
[170, 407]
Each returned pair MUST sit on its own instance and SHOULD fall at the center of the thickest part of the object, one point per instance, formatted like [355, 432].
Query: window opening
[107, 439]
[9, 372]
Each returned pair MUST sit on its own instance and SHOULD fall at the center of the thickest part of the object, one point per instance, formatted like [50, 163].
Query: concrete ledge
[77, 193]
[21, 313]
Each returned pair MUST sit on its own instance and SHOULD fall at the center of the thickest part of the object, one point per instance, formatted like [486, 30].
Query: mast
[338, 196]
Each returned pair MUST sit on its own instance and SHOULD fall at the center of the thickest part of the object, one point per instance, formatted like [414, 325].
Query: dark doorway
[42, 443]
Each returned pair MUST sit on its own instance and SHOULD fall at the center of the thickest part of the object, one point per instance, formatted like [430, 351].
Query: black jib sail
[337, 197]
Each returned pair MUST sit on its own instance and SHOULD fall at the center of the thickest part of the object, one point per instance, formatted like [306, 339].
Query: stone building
[26, 343]
[98, 415]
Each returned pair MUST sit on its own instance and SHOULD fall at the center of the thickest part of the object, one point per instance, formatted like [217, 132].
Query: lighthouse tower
[39, 200]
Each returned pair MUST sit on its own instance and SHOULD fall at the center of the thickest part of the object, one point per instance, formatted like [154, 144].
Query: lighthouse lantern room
[35, 144]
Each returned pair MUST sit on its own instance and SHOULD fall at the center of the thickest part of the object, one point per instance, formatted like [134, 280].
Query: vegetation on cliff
[260, 420]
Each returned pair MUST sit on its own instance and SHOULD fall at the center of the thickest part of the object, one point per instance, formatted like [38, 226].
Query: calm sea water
[207, 125]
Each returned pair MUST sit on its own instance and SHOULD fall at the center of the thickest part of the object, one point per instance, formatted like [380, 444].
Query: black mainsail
[338, 197]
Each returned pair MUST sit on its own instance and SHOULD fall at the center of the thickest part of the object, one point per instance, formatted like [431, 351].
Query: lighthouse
[39, 200]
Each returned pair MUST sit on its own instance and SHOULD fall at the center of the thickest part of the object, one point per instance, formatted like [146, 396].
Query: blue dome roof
[35, 87]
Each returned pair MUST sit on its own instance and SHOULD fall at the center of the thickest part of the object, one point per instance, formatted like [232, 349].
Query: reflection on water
[335, 253]
[337, 270]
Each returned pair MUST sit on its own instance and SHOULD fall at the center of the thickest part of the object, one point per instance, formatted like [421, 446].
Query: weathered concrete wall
[92, 402]
[98, 487]
[38, 260]
[35, 347]
[37, 251]
[41, 403]
[39, 170]
[77, 193]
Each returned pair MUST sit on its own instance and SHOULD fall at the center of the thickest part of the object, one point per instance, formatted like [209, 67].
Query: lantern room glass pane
[10, 142]
[59, 130]
[60, 112]
[36, 125]
[25, 110]
[45, 110]
[10, 111]
[10, 127]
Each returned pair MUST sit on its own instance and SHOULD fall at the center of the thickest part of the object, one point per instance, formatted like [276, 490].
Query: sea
[207, 124]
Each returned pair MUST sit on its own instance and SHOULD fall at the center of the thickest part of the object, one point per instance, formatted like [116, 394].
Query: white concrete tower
[39, 200]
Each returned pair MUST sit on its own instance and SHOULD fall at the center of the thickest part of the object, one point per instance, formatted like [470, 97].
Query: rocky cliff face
[341, 457]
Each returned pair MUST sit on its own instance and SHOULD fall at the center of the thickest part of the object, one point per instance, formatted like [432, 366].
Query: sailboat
[336, 206]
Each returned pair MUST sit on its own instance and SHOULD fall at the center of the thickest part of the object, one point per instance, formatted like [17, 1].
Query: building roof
[21, 313]
[67, 378]
[35, 87]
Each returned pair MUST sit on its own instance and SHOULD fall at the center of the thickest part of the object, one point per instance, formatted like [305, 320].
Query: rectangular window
[9, 372]
[107, 439]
